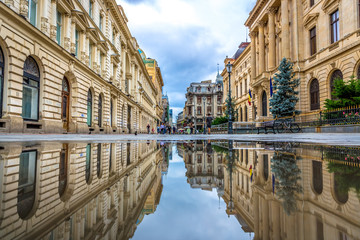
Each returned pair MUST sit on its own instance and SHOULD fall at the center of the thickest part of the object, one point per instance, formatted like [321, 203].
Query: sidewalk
[316, 138]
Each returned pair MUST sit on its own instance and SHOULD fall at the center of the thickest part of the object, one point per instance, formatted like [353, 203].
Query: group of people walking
[208, 122]
[162, 129]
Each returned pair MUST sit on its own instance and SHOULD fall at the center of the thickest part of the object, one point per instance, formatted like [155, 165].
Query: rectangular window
[77, 43]
[313, 41]
[198, 100]
[199, 110]
[90, 54]
[312, 2]
[100, 62]
[208, 110]
[334, 25]
[30, 109]
[27, 169]
[219, 110]
[33, 11]
[208, 100]
[100, 22]
[58, 27]
[90, 8]
[219, 99]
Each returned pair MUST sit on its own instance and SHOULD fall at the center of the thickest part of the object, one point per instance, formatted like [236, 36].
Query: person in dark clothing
[148, 128]
[191, 128]
[208, 123]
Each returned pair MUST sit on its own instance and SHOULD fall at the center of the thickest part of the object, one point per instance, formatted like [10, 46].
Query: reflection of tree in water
[346, 177]
[344, 162]
[287, 175]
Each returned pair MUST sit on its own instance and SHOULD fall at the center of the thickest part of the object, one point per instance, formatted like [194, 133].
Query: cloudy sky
[188, 38]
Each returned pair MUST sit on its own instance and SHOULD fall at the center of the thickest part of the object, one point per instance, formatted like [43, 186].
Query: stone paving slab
[352, 139]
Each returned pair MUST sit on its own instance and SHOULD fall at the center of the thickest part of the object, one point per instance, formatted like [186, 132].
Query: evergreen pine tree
[284, 98]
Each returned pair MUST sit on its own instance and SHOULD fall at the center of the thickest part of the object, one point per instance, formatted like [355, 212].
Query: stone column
[68, 31]
[44, 17]
[272, 44]
[253, 55]
[285, 30]
[53, 21]
[73, 29]
[261, 47]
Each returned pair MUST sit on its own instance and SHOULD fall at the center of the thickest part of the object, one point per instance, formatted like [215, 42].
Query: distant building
[202, 99]
[166, 109]
[170, 117]
[179, 120]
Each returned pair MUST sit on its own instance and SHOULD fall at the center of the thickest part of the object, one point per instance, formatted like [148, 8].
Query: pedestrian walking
[148, 128]
[208, 123]
[174, 129]
[158, 129]
[191, 128]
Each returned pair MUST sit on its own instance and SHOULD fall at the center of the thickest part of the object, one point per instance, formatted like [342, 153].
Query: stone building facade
[77, 191]
[202, 99]
[321, 38]
[72, 66]
[323, 210]
[240, 81]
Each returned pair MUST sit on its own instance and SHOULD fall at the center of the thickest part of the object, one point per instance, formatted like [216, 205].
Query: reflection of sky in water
[186, 213]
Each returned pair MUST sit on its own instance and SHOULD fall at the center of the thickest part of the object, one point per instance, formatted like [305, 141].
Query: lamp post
[229, 69]
[204, 99]
[230, 168]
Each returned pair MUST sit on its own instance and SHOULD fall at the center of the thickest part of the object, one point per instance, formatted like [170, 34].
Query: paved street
[317, 138]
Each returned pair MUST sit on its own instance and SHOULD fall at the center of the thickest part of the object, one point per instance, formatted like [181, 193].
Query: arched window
[246, 114]
[111, 157]
[314, 95]
[341, 194]
[65, 94]
[27, 183]
[264, 104]
[89, 108]
[241, 115]
[100, 111]
[2, 63]
[337, 74]
[98, 161]
[111, 112]
[88, 163]
[31, 86]
[63, 169]
[266, 167]
[317, 177]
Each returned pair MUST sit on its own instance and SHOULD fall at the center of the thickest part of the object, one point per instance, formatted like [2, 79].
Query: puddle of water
[179, 190]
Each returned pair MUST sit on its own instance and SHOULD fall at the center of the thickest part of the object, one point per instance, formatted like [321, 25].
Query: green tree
[219, 120]
[284, 98]
[345, 94]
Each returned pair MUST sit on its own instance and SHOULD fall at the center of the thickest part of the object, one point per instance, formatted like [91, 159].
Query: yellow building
[69, 66]
[76, 191]
[323, 209]
[321, 39]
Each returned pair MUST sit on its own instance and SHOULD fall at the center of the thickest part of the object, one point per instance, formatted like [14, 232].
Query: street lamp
[230, 128]
[204, 99]
[230, 168]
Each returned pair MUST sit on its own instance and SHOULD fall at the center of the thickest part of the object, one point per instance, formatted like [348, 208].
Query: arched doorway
[264, 104]
[65, 101]
[63, 169]
[100, 111]
[314, 95]
[89, 108]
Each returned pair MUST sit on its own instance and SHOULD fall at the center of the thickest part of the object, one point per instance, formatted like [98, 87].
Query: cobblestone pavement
[316, 138]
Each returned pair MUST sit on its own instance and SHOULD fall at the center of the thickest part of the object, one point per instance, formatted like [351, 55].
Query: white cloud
[188, 38]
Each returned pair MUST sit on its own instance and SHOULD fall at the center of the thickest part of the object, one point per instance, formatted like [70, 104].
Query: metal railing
[340, 116]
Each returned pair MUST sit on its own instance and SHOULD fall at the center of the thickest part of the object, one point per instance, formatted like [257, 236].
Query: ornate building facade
[324, 208]
[321, 38]
[78, 191]
[72, 66]
[202, 99]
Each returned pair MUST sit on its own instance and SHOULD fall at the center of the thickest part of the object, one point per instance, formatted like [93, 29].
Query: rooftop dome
[242, 47]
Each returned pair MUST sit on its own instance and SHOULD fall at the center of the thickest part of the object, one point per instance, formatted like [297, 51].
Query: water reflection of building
[76, 191]
[204, 166]
[325, 209]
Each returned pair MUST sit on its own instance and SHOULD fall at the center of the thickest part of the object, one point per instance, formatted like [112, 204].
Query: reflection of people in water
[208, 147]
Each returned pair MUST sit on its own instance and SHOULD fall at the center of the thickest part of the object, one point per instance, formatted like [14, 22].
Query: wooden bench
[266, 126]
